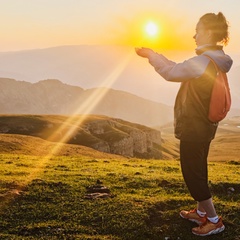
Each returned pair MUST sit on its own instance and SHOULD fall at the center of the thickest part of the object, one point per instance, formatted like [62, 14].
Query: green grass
[43, 198]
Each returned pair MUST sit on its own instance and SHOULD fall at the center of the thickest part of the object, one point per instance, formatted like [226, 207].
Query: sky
[31, 24]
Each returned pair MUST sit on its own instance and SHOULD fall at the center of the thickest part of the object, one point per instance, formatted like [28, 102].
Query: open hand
[144, 52]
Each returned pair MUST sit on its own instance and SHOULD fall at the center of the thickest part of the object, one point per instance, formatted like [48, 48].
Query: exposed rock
[97, 195]
[123, 147]
[125, 138]
[97, 191]
[102, 146]
[99, 132]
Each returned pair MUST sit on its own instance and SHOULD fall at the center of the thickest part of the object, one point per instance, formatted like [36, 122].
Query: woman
[191, 123]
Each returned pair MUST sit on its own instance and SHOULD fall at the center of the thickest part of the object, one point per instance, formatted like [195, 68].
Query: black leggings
[193, 157]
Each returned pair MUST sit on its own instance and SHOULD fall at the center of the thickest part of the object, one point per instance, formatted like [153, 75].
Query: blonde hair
[218, 24]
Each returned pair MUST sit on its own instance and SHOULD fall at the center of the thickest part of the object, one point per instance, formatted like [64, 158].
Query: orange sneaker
[193, 216]
[209, 228]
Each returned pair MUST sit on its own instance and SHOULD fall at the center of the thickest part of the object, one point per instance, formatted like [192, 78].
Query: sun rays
[90, 103]
[70, 127]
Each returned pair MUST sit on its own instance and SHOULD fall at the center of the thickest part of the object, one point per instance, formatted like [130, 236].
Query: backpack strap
[215, 65]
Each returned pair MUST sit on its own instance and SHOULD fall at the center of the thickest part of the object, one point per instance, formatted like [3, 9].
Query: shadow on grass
[226, 190]
[56, 210]
[164, 218]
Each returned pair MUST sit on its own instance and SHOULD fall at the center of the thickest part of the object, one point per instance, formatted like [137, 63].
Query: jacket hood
[222, 60]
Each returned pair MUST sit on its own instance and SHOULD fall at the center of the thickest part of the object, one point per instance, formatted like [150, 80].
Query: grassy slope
[78, 129]
[42, 195]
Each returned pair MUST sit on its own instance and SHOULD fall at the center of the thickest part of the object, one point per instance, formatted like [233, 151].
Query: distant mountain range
[131, 88]
[54, 97]
[116, 67]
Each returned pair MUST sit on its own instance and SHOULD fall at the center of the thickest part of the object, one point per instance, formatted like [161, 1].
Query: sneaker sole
[191, 220]
[215, 231]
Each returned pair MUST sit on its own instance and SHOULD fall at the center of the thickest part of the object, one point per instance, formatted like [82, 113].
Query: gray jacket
[190, 118]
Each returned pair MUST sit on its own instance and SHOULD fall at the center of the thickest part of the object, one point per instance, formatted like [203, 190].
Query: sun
[151, 29]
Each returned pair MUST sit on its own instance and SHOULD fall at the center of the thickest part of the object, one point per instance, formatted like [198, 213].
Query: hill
[98, 132]
[26, 145]
[55, 97]
[116, 67]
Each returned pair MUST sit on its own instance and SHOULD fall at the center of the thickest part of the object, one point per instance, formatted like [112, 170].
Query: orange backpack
[220, 101]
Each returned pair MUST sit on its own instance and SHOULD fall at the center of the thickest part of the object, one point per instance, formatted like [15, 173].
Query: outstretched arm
[172, 71]
[158, 61]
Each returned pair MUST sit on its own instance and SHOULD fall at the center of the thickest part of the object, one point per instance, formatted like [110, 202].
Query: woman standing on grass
[191, 123]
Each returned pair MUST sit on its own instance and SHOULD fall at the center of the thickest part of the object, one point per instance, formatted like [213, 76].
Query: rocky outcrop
[126, 138]
[99, 132]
